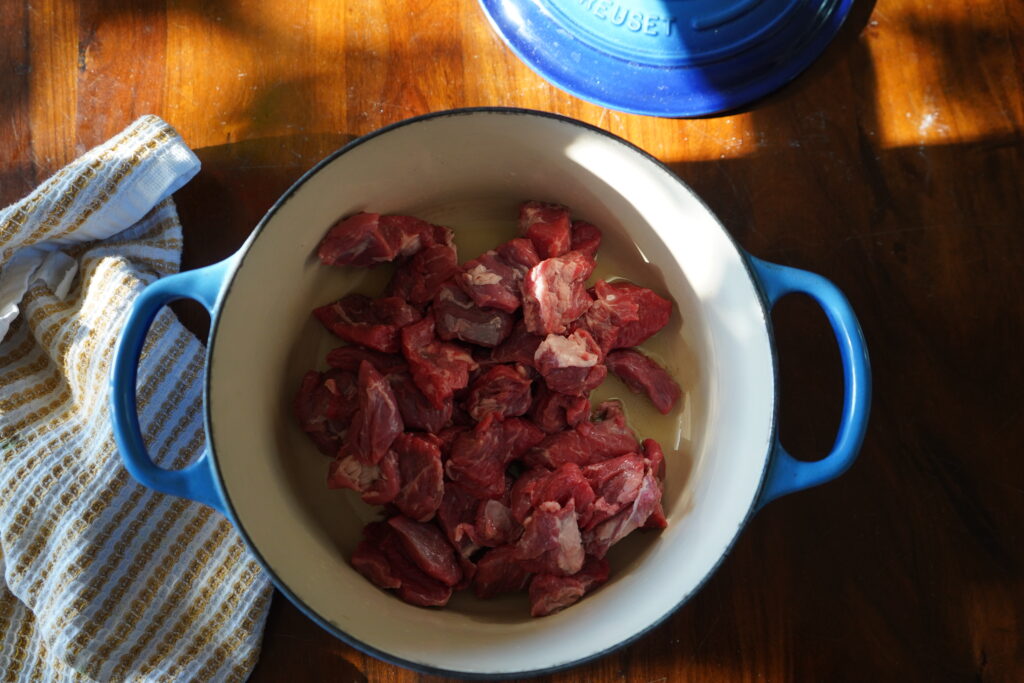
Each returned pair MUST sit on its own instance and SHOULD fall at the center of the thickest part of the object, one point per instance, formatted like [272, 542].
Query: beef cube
[558, 449]
[438, 368]
[547, 226]
[520, 347]
[553, 411]
[478, 459]
[551, 593]
[457, 517]
[624, 314]
[654, 457]
[609, 435]
[616, 482]
[551, 542]
[520, 254]
[562, 485]
[495, 524]
[382, 544]
[425, 545]
[373, 323]
[349, 358]
[554, 293]
[502, 390]
[416, 410]
[324, 405]
[356, 241]
[369, 561]
[493, 279]
[421, 476]
[570, 365]
[588, 442]
[602, 536]
[409, 235]
[377, 421]
[458, 317]
[519, 436]
[418, 279]
[378, 484]
[585, 238]
[643, 376]
[498, 572]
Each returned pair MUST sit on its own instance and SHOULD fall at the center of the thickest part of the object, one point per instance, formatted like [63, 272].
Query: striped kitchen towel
[105, 579]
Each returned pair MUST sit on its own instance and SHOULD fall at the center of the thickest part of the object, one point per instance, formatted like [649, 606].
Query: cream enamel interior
[465, 167]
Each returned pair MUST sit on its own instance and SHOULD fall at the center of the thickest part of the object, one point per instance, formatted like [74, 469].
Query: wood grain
[893, 166]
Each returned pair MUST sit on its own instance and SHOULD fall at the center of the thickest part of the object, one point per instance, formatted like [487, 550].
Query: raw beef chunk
[609, 435]
[458, 317]
[418, 412]
[349, 358]
[498, 572]
[565, 484]
[493, 279]
[551, 542]
[624, 314]
[616, 482]
[495, 524]
[585, 238]
[373, 323]
[607, 533]
[570, 365]
[438, 368]
[366, 239]
[426, 546]
[547, 226]
[356, 241]
[421, 476]
[377, 421]
[520, 436]
[457, 517]
[324, 406]
[554, 293]
[520, 254]
[643, 376]
[520, 347]
[550, 593]
[382, 558]
[378, 484]
[502, 390]
[553, 411]
[419, 279]
[588, 442]
[478, 459]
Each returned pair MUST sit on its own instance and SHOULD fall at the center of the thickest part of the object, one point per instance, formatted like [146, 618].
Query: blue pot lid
[668, 57]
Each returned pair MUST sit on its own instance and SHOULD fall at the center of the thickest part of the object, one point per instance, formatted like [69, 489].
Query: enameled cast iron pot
[261, 472]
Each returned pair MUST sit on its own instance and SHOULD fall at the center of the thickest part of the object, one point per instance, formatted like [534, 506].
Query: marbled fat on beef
[555, 294]
[572, 364]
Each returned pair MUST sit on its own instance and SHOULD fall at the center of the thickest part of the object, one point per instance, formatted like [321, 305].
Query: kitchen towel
[104, 579]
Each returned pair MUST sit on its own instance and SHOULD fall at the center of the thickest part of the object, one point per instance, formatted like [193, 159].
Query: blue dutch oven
[469, 169]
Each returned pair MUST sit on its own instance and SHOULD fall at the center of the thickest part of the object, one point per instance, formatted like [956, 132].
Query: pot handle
[197, 481]
[786, 474]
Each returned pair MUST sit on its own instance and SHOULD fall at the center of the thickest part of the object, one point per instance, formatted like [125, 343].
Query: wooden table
[893, 166]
